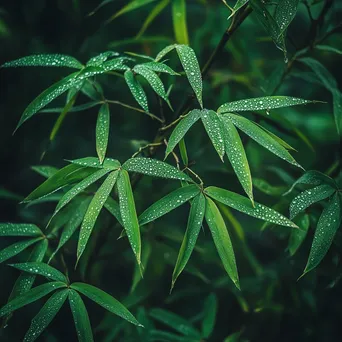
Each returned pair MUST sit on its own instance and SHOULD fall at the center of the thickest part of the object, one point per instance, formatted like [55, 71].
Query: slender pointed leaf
[105, 300]
[79, 108]
[298, 235]
[102, 131]
[19, 229]
[169, 202]
[94, 210]
[237, 6]
[179, 21]
[160, 67]
[113, 207]
[164, 52]
[308, 197]
[156, 168]
[328, 49]
[190, 237]
[47, 313]
[98, 60]
[81, 318]
[45, 170]
[30, 296]
[136, 90]
[222, 240]
[109, 163]
[210, 312]
[244, 205]
[285, 12]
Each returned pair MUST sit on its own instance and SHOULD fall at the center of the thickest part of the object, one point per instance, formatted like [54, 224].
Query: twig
[145, 147]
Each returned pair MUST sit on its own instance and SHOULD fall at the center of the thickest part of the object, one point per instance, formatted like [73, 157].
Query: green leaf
[94, 210]
[71, 225]
[210, 312]
[244, 205]
[54, 60]
[153, 79]
[160, 67]
[260, 103]
[190, 237]
[153, 167]
[47, 313]
[65, 176]
[192, 70]
[308, 197]
[285, 12]
[45, 170]
[237, 6]
[298, 235]
[175, 322]
[327, 226]
[328, 49]
[267, 188]
[261, 137]
[81, 318]
[16, 248]
[158, 335]
[19, 229]
[237, 157]
[105, 300]
[179, 21]
[109, 163]
[113, 207]
[222, 240]
[164, 52]
[214, 128]
[136, 90]
[169, 202]
[181, 129]
[102, 131]
[116, 64]
[78, 188]
[39, 268]
[128, 213]
[79, 108]
[98, 60]
[30, 296]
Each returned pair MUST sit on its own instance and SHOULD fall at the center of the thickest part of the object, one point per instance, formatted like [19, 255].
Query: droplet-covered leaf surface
[105, 300]
[102, 131]
[136, 89]
[102, 57]
[160, 67]
[19, 229]
[169, 202]
[109, 163]
[156, 168]
[244, 205]
[285, 12]
[222, 240]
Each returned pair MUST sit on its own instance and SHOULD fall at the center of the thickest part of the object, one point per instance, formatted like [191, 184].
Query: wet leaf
[222, 240]
[327, 226]
[81, 318]
[153, 167]
[244, 205]
[47, 313]
[179, 21]
[19, 229]
[181, 129]
[308, 197]
[136, 89]
[261, 103]
[39, 268]
[267, 188]
[30, 296]
[237, 157]
[214, 128]
[128, 213]
[102, 131]
[164, 52]
[45, 170]
[160, 67]
[285, 12]
[210, 312]
[237, 6]
[113, 207]
[261, 137]
[98, 60]
[109, 163]
[190, 237]
[298, 235]
[105, 300]
[169, 202]
[94, 210]
[16, 248]
[45, 60]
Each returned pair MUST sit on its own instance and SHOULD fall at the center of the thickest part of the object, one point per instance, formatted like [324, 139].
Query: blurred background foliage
[272, 305]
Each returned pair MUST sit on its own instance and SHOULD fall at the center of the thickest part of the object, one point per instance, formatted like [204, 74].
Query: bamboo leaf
[128, 213]
[285, 12]
[45, 170]
[168, 203]
[160, 67]
[237, 6]
[47, 313]
[30, 296]
[164, 52]
[327, 226]
[109, 163]
[244, 205]
[105, 300]
[153, 167]
[16, 248]
[113, 207]
[213, 126]
[210, 312]
[261, 137]
[45, 60]
[181, 129]
[237, 157]
[179, 21]
[19, 229]
[298, 235]
[102, 131]
[94, 210]
[98, 60]
[136, 89]
[328, 49]
[39, 268]
[222, 240]
[308, 197]
[81, 318]
[190, 237]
